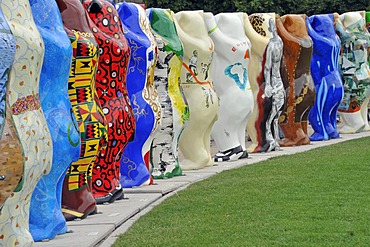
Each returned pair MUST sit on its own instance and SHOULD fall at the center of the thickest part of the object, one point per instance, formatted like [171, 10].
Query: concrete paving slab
[159, 187]
[119, 211]
[82, 236]
[216, 168]
[125, 226]
[190, 177]
[235, 164]
[204, 170]
[142, 201]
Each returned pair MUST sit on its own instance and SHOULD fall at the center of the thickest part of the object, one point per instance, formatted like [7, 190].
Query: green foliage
[309, 7]
[219, 6]
[179, 5]
[316, 198]
[175, 6]
[258, 6]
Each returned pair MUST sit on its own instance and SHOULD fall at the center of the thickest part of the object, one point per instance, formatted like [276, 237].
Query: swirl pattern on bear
[114, 55]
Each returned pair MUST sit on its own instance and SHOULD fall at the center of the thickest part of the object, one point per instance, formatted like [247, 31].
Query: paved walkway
[103, 229]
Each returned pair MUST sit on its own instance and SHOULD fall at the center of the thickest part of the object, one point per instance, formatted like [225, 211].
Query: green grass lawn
[316, 198]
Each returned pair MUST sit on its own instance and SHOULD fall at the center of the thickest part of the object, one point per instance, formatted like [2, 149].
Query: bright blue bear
[326, 76]
[133, 168]
[46, 218]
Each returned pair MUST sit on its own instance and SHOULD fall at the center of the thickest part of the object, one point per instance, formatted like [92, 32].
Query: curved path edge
[114, 219]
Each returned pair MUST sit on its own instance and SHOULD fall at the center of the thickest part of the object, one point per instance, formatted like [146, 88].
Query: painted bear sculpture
[77, 198]
[25, 109]
[326, 76]
[230, 78]
[196, 79]
[175, 113]
[114, 57]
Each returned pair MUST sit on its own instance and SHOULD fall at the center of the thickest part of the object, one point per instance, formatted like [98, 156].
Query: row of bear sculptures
[97, 97]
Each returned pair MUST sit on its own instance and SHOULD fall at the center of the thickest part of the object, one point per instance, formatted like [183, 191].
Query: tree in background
[179, 5]
[309, 7]
[175, 6]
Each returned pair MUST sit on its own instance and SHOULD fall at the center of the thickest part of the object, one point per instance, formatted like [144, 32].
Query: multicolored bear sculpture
[175, 112]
